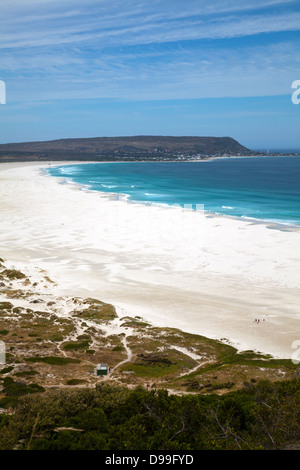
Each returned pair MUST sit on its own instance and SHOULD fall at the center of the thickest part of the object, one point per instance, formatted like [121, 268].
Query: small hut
[102, 369]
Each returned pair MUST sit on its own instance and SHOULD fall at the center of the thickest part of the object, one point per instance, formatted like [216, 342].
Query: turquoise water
[263, 188]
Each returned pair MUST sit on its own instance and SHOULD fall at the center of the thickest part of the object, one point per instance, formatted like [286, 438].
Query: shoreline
[271, 224]
[92, 244]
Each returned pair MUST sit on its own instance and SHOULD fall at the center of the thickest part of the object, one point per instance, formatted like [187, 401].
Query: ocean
[260, 188]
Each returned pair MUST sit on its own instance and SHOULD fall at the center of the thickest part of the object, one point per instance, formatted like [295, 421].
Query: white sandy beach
[209, 275]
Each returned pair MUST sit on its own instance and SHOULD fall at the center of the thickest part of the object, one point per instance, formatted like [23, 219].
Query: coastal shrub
[90, 420]
[118, 348]
[75, 382]
[151, 370]
[75, 345]
[6, 370]
[97, 310]
[4, 420]
[57, 338]
[220, 386]
[14, 294]
[13, 390]
[117, 418]
[134, 323]
[17, 310]
[13, 274]
[84, 337]
[26, 373]
[53, 360]
[6, 306]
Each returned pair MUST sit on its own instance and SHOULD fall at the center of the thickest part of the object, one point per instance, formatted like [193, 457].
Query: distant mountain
[123, 148]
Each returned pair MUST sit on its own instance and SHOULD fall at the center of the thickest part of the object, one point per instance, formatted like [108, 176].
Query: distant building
[102, 369]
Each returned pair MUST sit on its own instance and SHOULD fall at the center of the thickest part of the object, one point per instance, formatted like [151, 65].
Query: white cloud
[246, 71]
[140, 50]
[133, 22]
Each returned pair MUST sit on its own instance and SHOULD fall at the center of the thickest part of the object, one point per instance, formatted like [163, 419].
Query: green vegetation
[15, 293]
[13, 390]
[75, 345]
[53, 360]
[49, 280]
[159, 364]
[6, 370]
[26, 373]
[265, 416]
[118, 348]
[230, 404]
[6, 306]
[75, 382]
[135, 322]
[12, 274]
[97, 311]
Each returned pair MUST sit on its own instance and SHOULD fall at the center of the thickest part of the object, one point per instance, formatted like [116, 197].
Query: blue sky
[161, 67]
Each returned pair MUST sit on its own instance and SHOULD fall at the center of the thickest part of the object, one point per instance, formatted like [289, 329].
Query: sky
[97, 68]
